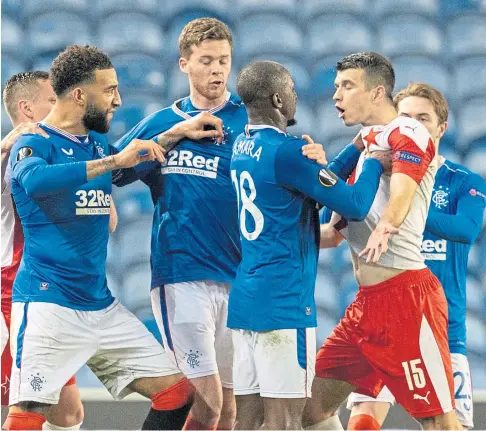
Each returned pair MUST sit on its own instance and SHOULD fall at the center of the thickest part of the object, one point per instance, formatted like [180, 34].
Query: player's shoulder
[463, 175]
[164, 115]
[408, 127]
[30, 145]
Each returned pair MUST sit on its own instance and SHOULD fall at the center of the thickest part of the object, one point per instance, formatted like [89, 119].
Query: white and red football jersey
[413, 154]
[12, 238]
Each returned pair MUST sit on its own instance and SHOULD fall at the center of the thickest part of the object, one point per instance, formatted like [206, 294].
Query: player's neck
[201, 102]
[266, 120]
[381, 116]
[65, 119]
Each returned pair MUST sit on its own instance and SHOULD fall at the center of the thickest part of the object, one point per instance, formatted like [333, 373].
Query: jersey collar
[68, 135]
[186, 115]
[249, 127]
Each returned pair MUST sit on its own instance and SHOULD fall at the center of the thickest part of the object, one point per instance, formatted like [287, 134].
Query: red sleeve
[411, 155]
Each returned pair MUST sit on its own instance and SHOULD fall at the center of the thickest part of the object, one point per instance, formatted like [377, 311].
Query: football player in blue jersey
[454, 222]
[271, 304]
[195, 238]
[63, 314]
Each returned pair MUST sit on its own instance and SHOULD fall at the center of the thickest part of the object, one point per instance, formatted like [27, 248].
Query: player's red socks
[71, 381]
[170, 407]
[194, 425]
[24, 421]
[363, 422]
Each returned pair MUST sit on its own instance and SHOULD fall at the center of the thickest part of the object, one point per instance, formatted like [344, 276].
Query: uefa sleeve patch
[327, 178]
[404, 156]
[24, 153]
[474, 192]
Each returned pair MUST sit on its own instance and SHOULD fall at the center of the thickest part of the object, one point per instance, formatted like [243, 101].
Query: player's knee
[33, 407]
[446, 421]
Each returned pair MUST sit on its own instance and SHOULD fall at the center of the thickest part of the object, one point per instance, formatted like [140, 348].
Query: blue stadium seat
[115, 283]
[421, 69]
[326, 291]
[203, 8]
[248, 7]
[44, 61]
[13, 39]
[140, 72]
[466, 36]
[466, 71]
[54, 30]
[134, 241]
[136, 287]
[132, 32]
[475, 159]
[134, 109]
[259, 34]
[325, 325]
[312, 8]
[475, 267]
[305, 117]
[133, 201]
[471, 121]
[448, 149]
[323, 76]
[335, 145]
[409, 34]
[475, 294]
[348, 290]
[106, 7]
[11, 66]
[35, 7]
[338, 34]
[330, 125]
[476, 333]
[455, 7]
[13, 9]
[6, 126]
[429, 8]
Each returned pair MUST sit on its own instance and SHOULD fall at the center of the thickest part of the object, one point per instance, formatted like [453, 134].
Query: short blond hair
[419, 89]
[201, 29]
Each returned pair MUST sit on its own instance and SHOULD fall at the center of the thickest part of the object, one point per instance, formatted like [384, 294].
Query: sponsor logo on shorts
[192, 358]
[185, 162]
[308, 311]
[37, 382]
[434, 250]
[420, 397]
[44, 285]
[404, 156]
[327, 178]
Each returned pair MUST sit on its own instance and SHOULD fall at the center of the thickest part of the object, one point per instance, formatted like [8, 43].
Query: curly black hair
[76, 65]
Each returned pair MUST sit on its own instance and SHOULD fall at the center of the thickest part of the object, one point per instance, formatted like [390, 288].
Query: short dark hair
[77, 65]
[201, 29]
[378, 69]
[259, 80]
[23, 85]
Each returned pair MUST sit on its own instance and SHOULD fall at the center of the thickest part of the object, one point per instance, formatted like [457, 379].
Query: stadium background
[441, 42]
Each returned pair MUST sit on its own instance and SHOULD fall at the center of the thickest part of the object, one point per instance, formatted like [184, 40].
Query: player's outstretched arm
[31, 170]
[465, 225]
[293, 170]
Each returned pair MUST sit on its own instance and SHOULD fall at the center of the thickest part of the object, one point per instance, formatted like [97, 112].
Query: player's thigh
[283, 413]
[245, 377]
[410, 350]
[69, 410]
[462, 389]
[285, 362]
[223, 342]
[128, 353]
[186, 318]
[385, 396]
[49, 344]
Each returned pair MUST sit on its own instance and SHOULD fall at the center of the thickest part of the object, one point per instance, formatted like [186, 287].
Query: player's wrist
[114, 161]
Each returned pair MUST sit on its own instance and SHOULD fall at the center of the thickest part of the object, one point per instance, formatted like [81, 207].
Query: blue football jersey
[64, 218]
[278, 190]
[456, 190]
[195, 230]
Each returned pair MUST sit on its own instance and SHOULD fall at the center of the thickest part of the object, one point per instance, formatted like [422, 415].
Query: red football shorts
[395, 334]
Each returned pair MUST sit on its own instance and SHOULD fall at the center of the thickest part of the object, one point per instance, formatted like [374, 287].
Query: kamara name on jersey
[185, 162]
[92, 202]
[246, 147]
[434, 250]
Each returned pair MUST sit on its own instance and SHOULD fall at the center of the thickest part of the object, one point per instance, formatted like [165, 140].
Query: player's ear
[25, 107]
[379, 93]
[79, 96]
[277, 101]
[442, 129]
[183, 65]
